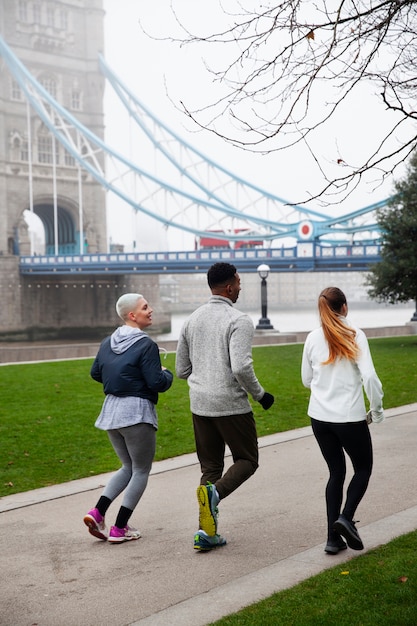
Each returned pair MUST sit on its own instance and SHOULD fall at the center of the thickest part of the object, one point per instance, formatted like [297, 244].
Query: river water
[294, 320]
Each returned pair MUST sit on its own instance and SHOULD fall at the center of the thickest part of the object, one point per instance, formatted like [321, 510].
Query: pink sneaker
[96, 525]
[118, 535]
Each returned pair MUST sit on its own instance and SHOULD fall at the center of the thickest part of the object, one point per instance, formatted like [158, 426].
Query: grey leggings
[135, 447]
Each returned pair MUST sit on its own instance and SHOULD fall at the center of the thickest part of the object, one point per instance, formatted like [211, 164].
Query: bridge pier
[38, 308]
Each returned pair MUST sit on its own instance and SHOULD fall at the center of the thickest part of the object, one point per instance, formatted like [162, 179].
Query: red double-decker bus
[211, 243]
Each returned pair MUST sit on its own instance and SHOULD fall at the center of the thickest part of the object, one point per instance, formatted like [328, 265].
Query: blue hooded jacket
[128, 364]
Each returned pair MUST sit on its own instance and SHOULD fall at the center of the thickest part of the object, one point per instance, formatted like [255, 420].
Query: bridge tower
[59, 42]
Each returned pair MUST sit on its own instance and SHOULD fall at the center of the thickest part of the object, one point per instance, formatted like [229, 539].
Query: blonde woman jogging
[336, 367]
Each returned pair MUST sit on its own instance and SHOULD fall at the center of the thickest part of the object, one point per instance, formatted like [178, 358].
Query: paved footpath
[53, 573]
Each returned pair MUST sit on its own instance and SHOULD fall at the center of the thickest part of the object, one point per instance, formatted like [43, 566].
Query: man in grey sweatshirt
[214, 354]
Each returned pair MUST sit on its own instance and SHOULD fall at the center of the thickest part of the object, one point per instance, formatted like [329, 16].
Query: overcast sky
[152, 68]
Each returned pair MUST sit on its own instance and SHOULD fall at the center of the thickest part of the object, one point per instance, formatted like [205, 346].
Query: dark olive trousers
[212, 434]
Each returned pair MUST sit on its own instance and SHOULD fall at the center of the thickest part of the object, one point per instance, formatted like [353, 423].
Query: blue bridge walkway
[302, 258]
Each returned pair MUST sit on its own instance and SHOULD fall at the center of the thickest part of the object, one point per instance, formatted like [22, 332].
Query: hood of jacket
[124, 337]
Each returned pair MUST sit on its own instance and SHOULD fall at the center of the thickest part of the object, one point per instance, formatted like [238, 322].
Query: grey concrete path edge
[229, 598]
[233, 596]
[242, 592]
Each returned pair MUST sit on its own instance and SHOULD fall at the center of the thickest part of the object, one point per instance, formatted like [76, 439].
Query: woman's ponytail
[340, 337]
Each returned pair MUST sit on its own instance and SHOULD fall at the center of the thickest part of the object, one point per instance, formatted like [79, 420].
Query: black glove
[267, 401]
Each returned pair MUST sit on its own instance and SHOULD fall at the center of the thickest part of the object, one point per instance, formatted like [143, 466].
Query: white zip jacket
[214, 354]
[337, 388]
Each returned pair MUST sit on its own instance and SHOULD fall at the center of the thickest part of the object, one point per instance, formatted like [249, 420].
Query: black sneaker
[347, 529]
[333, 546]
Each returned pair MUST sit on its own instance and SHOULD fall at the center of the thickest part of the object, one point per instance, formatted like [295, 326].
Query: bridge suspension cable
[204, 197]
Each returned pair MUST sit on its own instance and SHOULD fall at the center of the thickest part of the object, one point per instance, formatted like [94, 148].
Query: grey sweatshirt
[214, 353]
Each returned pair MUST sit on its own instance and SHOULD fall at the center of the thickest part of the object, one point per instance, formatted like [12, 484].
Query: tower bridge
[57, 165]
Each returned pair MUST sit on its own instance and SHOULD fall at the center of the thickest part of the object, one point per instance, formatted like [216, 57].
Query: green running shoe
[208, 500]
[205, 543]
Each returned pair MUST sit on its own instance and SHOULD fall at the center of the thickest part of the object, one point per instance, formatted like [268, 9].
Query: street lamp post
[264, 323]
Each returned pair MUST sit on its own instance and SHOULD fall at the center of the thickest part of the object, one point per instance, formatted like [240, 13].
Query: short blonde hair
[127, 303]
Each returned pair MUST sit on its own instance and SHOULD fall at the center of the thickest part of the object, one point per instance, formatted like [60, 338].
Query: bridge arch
[60, 238]
[66, 228]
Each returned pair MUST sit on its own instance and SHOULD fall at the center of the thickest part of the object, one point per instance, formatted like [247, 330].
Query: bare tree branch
[290, 66]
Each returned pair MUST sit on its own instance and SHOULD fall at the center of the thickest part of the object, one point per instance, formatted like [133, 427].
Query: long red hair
[340, 338]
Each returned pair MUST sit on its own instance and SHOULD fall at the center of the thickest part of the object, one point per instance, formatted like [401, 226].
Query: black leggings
[334, 440]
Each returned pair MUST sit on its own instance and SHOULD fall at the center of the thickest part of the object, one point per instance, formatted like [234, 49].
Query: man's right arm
[183, 366]
[241, 357]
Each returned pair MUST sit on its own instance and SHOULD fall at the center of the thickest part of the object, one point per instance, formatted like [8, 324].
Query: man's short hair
[220, 274]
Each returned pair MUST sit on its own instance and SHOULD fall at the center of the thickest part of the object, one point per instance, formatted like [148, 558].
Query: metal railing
[303, 257]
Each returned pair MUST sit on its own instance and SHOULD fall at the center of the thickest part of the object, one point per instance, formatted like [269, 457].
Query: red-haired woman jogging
[336, 367]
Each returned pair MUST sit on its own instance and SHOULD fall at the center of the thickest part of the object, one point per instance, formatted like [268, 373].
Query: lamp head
[263, 270]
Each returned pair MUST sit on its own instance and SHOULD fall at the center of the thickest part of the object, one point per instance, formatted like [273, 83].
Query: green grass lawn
[48, 410]
[377, 588]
